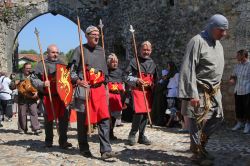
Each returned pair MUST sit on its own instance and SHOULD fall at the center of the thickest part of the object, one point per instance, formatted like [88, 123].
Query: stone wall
[168, 24]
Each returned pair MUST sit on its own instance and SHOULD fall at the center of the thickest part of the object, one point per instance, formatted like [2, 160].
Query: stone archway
[16, 15]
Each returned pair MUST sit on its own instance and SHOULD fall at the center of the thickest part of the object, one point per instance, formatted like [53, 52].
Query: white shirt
[173, 86]
[5, 93]
[242, 72]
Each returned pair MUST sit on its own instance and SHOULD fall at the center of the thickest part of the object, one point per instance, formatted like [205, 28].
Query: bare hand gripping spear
[84, 76]
[46, 78]
[139, 71]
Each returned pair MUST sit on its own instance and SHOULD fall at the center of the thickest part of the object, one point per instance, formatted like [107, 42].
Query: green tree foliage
[69, 55]
[31, 51]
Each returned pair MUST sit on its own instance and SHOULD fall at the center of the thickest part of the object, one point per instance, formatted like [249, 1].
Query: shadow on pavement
[144, 156]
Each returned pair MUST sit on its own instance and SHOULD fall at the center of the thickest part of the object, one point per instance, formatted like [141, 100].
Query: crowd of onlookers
[167, 105]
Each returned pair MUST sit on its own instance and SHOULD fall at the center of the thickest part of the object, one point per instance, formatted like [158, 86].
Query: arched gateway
[15, 14]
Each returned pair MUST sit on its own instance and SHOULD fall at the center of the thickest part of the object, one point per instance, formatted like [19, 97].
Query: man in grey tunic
[199, 84]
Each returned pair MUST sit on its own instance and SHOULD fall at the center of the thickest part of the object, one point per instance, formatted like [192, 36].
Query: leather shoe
[112, 137]
[131, 140]
[48, 144]
[86, 154]
[107, 155]
[37, 132]
[144, 141]
[22, 132]
[66, 145]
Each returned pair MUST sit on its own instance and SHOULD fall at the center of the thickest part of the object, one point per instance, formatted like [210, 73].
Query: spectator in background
[5, 96]
[241, 79]
[164, 79]
[185, 120]
[14, 95]
[27, 100]
[172, 87]
[160, 103]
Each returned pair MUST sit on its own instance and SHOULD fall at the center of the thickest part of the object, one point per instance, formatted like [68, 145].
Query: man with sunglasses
[59, 107]
[96, 73]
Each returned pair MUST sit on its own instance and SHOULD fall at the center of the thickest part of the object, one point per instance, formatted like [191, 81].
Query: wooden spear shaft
[84, 75]
[46, 78]
[140, 76]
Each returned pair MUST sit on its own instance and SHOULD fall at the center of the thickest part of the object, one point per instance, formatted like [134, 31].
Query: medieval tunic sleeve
[187, 78]
[131, 75]
[75, 61]
[36, 78]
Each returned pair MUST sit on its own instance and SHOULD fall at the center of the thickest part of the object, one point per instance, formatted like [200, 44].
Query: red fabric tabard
[137, 93]
[115, 102]
[59, 106]
[73, 116]
[139, 103]
[94, 77]
[98, 106]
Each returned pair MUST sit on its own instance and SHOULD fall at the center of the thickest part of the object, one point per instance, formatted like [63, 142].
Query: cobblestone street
[169, 148]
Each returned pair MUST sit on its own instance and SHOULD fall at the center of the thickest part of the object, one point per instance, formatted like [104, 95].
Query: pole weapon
[139, 71]
[84, 75]
[101, 27]
[46, 78]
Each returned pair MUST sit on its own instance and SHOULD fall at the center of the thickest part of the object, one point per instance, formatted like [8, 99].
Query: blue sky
[53, 29]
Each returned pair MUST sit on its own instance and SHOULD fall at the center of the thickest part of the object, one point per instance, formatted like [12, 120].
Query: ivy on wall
[8, 11]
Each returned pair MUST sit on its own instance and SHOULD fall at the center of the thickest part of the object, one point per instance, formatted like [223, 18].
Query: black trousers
[242, 107]
[7, 108]
[139, 122]
[63, 128]
[103, 133]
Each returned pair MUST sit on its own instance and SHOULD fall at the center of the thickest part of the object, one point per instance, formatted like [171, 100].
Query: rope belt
[209, 93]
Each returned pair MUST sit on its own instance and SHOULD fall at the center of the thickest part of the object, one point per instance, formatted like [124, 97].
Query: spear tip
[131, 29]
[100, 23]
[36, 31]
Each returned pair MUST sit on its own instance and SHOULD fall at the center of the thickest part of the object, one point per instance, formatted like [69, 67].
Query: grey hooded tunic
[203, 64]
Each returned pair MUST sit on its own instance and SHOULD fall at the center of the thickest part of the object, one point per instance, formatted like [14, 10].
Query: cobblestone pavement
[169, 148]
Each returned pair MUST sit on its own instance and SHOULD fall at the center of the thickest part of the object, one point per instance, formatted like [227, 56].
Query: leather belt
[96, 85]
